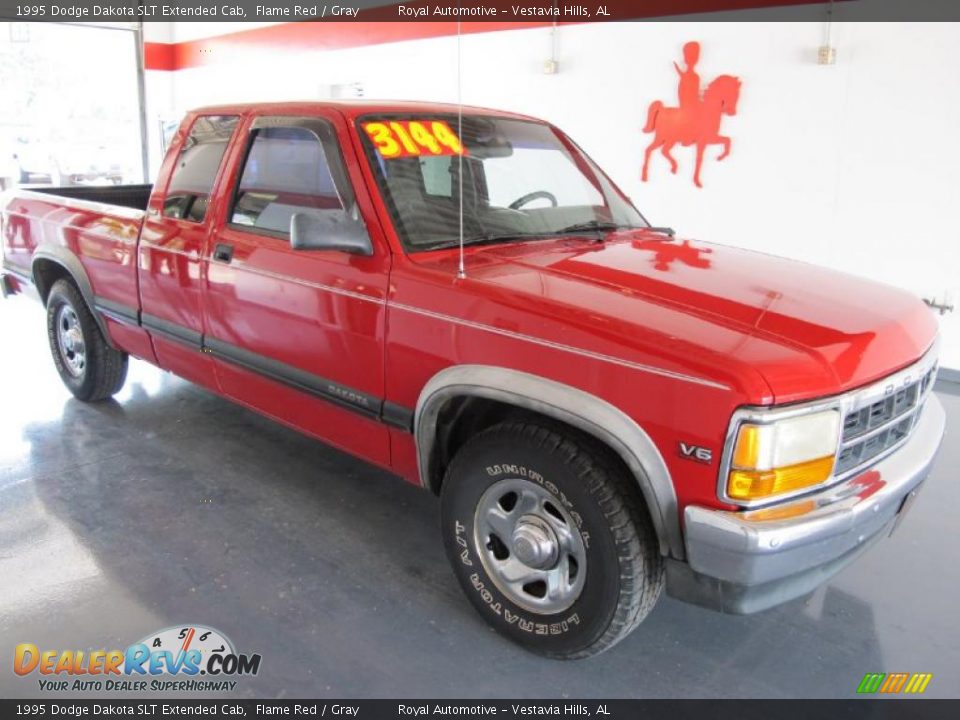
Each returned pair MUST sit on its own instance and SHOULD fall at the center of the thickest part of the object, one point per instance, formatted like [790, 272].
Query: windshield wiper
[600, 225]
[484, 240]
[665, 230]
[591, 225]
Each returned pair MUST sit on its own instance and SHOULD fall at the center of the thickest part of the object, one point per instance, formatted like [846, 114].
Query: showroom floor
[171, 506]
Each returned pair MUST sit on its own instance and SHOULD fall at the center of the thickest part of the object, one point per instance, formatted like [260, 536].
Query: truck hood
[716, 310]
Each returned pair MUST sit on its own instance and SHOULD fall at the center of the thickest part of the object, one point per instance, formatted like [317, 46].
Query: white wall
[854, 166]
[186, 31]
[158, 87]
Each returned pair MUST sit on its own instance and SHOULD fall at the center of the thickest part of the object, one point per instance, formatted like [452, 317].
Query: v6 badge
[695, 452]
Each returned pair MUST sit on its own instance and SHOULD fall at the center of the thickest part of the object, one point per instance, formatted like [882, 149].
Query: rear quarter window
[188, 194]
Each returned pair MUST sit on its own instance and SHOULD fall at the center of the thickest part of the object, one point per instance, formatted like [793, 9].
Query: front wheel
[88, 366]
[549, 539]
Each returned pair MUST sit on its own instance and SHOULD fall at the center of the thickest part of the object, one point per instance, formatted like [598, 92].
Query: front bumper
[739, 565]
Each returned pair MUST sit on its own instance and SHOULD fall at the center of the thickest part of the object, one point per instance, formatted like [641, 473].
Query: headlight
[782, 456]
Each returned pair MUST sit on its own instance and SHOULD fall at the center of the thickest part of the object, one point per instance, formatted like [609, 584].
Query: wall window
[290, 170]
[188, 194]
[70, 114]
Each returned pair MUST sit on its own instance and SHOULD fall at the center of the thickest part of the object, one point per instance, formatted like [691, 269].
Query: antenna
[462, 270]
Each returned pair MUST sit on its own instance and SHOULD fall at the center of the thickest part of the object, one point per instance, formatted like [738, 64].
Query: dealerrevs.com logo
[182, 658]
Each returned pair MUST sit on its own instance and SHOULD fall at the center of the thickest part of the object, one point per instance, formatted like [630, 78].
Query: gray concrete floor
[172, 506]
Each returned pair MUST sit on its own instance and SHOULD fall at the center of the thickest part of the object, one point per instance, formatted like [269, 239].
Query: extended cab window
[291, 170]
[188, 194]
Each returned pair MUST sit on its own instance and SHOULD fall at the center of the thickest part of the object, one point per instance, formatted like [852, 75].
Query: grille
[873, 429]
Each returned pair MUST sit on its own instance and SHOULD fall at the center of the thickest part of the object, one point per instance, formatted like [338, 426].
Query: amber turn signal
[746, 454]
[760, 484]
[781, 512]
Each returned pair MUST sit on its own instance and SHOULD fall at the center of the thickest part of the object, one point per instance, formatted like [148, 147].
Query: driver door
[299, 334]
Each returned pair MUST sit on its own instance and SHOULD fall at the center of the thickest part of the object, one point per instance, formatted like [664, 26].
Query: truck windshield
[521, 180]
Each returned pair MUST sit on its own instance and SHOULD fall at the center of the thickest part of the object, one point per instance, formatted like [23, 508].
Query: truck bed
[130, 196]
[89, 232]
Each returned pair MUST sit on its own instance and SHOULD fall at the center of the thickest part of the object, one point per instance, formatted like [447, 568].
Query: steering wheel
[530, 197]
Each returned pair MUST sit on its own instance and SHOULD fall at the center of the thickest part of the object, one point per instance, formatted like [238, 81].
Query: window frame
[315, 125]
[217, 175]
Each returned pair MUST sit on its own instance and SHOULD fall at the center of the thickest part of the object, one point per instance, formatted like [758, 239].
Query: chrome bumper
[739, 565]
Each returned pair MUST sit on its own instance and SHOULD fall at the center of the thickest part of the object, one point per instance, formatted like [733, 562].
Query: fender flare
[570, 405]
[66, 259]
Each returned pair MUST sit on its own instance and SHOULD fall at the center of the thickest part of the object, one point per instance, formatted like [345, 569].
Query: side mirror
[341, 230]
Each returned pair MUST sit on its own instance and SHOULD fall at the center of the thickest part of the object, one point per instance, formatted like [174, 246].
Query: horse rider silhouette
[696, 121]
[688, 89]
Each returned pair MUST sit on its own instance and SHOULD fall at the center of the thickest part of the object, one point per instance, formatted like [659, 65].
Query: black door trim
[296, 378]
[343, 396]
[397, 416]
[172, 330]
[116, 311]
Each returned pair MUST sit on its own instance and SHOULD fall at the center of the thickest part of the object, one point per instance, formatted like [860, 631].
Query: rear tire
[549, 539]
[88, 366]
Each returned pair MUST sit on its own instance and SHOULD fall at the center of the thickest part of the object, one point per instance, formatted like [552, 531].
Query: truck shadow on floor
[334, 571]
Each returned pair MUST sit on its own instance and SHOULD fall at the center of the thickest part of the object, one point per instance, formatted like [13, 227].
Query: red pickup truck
[603, 409]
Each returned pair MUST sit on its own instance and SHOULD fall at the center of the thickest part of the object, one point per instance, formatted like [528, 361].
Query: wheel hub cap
[73, 340]
[534, 543]
[73, 350]
[530, 546]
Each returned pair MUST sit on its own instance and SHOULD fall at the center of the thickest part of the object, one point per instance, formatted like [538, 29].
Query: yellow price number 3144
[413, 138]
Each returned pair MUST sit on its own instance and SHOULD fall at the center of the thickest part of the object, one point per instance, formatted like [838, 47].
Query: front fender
[567, 404]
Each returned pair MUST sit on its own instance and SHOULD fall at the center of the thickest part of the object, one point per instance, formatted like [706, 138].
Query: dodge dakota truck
[462, 297]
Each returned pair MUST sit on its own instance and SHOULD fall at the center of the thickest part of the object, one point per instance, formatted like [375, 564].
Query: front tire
[549, 539]
[88, 366]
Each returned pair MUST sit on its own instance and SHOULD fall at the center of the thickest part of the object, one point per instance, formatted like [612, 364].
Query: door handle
[223, 252]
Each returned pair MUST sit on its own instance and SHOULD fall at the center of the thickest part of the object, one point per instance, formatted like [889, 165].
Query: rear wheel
[88, 366]
[549, 539]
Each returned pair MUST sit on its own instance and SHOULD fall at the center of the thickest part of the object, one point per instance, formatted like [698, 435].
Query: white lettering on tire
[459, 528]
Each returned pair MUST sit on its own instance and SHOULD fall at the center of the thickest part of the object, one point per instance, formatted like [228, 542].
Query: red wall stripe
[159, 56]
[385, 28]
[307, 36]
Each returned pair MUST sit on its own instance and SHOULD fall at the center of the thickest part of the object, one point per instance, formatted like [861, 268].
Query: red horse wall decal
[697, 119]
